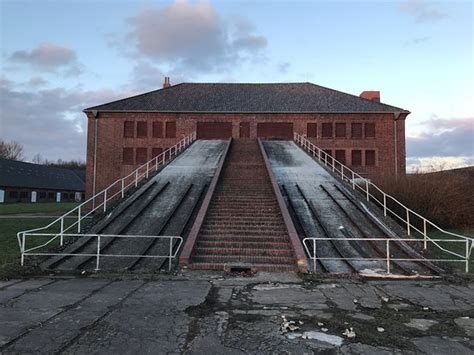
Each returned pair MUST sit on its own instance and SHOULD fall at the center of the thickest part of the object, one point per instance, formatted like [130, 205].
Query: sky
[59, 57]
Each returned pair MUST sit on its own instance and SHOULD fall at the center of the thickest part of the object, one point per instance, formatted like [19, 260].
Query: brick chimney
[371, 95]
[167, 83]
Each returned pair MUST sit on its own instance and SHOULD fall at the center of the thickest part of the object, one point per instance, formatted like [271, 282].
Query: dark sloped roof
[215, 97]
[19, 174]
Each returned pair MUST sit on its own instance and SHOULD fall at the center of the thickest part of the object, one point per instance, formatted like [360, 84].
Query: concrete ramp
[323, 207]
[164, 205]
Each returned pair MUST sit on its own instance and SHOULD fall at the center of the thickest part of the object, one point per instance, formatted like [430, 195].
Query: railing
[98, 255]
[357, 182]
[311, 251]
[116, 190]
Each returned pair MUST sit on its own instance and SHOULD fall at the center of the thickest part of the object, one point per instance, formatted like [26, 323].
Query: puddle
[319, 336]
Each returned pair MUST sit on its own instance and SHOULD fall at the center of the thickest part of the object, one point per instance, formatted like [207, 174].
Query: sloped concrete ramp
[323, 207]
[164, 205]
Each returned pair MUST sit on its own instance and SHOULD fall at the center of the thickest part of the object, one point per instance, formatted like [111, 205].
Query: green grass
[47, 208]
[9, 249]
[457, 247]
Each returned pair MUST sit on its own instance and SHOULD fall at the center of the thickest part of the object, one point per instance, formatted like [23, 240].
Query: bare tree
[37, 159]
[11, 150]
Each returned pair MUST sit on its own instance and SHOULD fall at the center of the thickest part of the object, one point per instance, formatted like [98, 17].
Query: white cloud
[423, 11]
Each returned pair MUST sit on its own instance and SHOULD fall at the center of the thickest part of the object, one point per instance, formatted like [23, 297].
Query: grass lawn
[53, 208]
[9, 249]
[456, 247]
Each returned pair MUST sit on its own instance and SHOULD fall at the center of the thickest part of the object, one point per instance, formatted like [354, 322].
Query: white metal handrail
[358, 182]
[98, 255]
[120, 186]
[311, 251]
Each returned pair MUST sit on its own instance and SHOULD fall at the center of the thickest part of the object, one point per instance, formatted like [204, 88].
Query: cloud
[146, 77]
[422, 11]
[191, 37]
[49, 57]
[37, 81]
[48, 121]
[446, 138]
[418, 40]
[283, 67]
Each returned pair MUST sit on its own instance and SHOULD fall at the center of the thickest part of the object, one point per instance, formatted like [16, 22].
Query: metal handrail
[311, 251]
[354, 179]
[171, 255]
[106, 195]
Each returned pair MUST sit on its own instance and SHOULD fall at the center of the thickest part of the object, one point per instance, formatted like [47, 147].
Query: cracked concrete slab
[218, 313]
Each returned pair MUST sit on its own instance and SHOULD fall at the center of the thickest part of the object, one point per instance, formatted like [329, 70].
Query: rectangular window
[24, 194]
[370, 130]
[127, 156]
[356, 158]
[341, 156]
[71, 196]
[340, 130]
[356, 130]
[327, 130]
[65, 195]
[157, 129]
[128, 129]
[171, 129]
[370, 157]
[42, 195]
[50, 195]
[141, 155]
[13, 194]
[156, 151]
[312, 130]
[142, 129]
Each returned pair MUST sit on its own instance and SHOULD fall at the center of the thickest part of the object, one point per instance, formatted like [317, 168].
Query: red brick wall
[111, 139]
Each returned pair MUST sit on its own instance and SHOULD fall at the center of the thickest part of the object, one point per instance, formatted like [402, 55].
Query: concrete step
[254, 267]
[243, 244]
[226, 259]
[242, 238]
[266, 251]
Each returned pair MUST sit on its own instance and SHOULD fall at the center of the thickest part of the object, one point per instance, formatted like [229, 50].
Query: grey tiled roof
[26, 175]
[215, 97]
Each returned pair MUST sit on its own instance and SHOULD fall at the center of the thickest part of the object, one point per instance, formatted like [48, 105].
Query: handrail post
[146, 174]
[136, 178]
[79, 220]
[408, 221]
[105, 200]
[98, 253]
[353, 181]
[385, 204]
[314, 255]
[23, 242]
[170, 254]
[367, 189]
[424, 234]
[156, 163]
[123, 188]
[388, 256]
[467, 256]
[61, 241]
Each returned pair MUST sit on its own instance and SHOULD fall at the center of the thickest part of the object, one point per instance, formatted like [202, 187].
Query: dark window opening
[356, 130]
[24, 194]
[127, 156]
[71, 196]
[356, 158]
[50, 195]
[156, 151]
[141, 155]
[13, 194]
[370, 157]
[341, 156]
[142, 129]
[370, 130]
[327, 130]
[157, 129]
[42, 195]
[128, 129]
[340, 130]
[65, 195]
[171, 129]
[312, 130]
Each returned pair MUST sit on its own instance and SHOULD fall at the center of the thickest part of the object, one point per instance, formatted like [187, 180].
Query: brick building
[360, 131]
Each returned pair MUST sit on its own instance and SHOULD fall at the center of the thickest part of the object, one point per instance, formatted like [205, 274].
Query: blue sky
[58, 57]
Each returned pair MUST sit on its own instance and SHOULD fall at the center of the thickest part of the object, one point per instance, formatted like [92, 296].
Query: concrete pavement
[214, 313]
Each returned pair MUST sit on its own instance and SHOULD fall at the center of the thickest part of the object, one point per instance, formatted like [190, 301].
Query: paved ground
[212, 313]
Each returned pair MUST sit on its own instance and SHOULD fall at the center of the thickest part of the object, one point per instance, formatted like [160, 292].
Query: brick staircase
[243, 226]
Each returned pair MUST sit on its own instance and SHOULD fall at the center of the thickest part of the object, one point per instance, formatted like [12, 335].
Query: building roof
[26, 175]
[254, 98]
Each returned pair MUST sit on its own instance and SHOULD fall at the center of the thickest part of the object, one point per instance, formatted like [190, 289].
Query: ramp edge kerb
[185, 256]
[301, 260]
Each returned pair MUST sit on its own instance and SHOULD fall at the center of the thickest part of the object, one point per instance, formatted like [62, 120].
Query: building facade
[361, 132]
